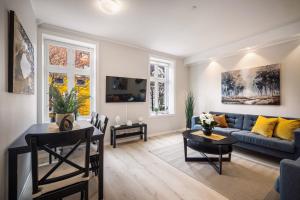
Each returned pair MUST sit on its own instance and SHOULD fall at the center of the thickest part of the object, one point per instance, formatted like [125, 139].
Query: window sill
[162, 115]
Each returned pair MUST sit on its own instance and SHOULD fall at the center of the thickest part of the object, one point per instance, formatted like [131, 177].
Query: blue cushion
[249, 121]
[224, 131]
[277, 185]
[233, 120]
[272, 143]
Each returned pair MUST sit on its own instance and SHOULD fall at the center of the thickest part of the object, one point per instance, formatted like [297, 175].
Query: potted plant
[156, 111]
[66, 104]
[189, 109]
[208, 123]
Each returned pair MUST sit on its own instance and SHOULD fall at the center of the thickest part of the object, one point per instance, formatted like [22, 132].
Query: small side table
[113, 132]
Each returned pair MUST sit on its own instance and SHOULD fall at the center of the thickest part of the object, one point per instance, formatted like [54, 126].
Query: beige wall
[114, 59]
[17, 112]
[205, 80]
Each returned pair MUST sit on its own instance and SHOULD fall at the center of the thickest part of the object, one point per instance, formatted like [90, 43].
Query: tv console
[114, 136]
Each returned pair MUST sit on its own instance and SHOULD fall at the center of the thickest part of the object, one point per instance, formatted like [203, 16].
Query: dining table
[20, 147]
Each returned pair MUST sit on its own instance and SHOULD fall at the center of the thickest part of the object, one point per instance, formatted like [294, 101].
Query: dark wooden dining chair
[94, 118]
[100, 122]
[66, 183]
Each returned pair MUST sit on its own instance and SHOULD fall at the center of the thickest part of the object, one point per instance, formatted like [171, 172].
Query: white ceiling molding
[269, 38]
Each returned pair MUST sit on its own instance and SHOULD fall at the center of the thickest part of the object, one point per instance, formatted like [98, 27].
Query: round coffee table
[208, 146]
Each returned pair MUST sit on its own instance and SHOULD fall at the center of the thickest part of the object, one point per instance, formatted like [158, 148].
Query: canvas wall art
[254, 86]
[21, 58]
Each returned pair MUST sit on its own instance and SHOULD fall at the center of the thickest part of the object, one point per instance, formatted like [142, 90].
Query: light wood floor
[132, 172]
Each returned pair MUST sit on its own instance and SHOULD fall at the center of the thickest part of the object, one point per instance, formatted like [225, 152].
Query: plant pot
[59, 117]
[207, 132]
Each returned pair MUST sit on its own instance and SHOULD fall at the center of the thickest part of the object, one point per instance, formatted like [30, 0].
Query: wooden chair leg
[82, 195]
[86, 192]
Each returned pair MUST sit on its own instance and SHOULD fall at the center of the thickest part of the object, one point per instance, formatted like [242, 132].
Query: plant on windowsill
[189, 109]
[208, 123]
[156, 111]
[65, 105]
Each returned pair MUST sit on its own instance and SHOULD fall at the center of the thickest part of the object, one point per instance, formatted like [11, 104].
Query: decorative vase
[207, 131]
[117, 119]
[141, 120]
[129, 123]
[59, 117]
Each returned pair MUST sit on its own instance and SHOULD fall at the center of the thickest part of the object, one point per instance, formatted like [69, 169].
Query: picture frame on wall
[21, 70]
[252, 86]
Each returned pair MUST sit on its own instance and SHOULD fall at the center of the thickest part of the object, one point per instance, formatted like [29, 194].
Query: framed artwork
[21, 58]
[254, 86]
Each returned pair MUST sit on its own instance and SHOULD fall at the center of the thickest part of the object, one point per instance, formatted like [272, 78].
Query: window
[68, 65]
[161, 86]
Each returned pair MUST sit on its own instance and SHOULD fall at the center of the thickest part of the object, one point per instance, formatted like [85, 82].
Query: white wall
[115, 59]
[205, 80]
[17, 112]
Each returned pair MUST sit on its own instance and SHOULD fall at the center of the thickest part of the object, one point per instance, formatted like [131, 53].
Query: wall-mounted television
[122, 89]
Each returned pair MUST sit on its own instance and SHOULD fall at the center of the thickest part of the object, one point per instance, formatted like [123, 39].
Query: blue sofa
[240, 126]
[288, 182]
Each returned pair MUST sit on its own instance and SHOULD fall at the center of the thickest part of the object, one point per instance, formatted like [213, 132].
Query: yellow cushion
[221, 120]
[265, 126]
[285, 128]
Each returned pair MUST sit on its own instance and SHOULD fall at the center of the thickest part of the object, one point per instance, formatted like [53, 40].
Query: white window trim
[170, 86]
[46, 38]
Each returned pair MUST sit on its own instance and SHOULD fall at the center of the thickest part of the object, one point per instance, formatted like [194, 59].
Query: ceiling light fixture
[109, 7]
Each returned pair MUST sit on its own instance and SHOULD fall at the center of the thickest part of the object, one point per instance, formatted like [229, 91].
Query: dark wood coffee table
[208, 146]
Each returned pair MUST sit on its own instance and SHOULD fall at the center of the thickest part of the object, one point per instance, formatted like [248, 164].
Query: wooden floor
[132, 172]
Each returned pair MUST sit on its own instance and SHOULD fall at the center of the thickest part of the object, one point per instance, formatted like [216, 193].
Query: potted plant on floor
[189, 109]
[65, 105]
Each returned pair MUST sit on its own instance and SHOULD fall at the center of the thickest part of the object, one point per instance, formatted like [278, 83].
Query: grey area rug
[246, 177]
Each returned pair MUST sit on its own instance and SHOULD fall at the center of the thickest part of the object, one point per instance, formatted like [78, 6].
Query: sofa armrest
[289, 179]
[297, 137]
[195, 120]
[297, 142]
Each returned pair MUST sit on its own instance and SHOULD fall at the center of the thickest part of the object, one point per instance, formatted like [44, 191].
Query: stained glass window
[69, 65]
[60, 81]
[57, 55]
[82, 85]
[82, 59]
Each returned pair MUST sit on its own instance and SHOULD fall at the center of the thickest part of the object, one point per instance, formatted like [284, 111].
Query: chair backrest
[102, 123]
[99, 121]
[50, 140]
[94, 118]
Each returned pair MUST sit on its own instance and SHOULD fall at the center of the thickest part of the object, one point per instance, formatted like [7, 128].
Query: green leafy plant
[68, 102]
[156, 110]
[189, 109]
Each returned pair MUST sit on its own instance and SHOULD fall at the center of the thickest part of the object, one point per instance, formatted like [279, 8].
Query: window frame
[169, 82]
[69, 69]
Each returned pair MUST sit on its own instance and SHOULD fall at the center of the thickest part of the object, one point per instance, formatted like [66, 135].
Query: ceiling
[178, 27]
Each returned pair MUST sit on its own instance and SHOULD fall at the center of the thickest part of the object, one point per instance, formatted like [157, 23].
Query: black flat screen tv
[122, 89]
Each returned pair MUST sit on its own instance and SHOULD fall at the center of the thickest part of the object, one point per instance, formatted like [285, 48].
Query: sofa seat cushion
[224, 131]
[259, 140]
[197, 127]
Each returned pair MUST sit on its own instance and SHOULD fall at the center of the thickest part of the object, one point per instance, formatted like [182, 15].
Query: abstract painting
[254, 86]
[21, 58]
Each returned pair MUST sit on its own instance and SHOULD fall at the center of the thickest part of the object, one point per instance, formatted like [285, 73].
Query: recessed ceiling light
[109, 7]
